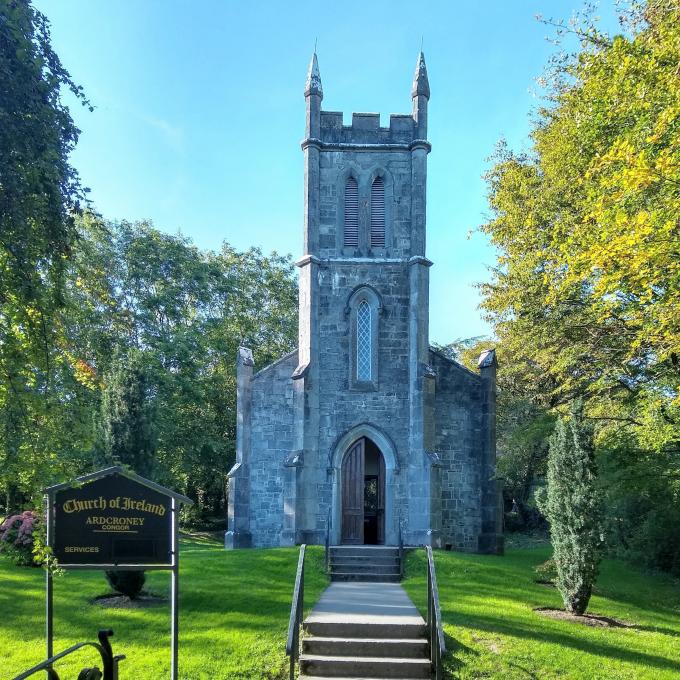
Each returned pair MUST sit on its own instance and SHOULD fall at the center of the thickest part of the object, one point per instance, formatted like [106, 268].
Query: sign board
[115, 519]
[112, 520]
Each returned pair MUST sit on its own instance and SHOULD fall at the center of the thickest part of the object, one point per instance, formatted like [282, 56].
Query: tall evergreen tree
[127, 436]
[572, 506]
[127, 428]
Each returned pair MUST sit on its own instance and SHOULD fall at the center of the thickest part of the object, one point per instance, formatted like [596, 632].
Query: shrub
[572, 506]
[128, 583]
[547, 571]
[655, 538]
[19, 536]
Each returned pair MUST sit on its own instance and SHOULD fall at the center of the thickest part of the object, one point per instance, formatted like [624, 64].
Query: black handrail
[328, 541]
[434, 618]
[401, 554]
[296, 613]
[109, 661]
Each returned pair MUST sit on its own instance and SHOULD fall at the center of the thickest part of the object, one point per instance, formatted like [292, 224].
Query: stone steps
[410, 648]
[354, 677]
[364, 667]
[365, 563]
[364, 631]
[375, 577]
[376, 558]
[364, 550]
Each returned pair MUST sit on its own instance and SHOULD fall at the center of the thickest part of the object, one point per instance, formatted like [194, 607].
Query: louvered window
[364, 332]
[378, 213]
[351, 213]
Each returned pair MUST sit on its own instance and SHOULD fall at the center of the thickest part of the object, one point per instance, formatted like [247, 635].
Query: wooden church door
[353, 495]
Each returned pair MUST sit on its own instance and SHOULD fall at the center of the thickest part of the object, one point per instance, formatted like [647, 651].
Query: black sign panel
[112, 520]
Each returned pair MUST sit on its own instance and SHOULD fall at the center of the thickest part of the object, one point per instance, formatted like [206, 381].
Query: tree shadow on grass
[520, 630]
[657, 629]
[455, 648]
[470, 582]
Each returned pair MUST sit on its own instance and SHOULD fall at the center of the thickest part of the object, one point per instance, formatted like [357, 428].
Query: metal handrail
[296, 613]
[434, 618]
[109, 661]
[328, 541]
[401, 554]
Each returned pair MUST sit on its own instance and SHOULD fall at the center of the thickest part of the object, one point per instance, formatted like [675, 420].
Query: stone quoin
[365, 431]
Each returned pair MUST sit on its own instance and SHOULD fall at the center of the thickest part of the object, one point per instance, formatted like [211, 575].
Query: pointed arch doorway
[363, 494]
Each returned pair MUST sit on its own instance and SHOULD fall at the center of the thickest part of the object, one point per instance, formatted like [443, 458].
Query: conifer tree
[127, 429]
[127, 437]
[572, 505]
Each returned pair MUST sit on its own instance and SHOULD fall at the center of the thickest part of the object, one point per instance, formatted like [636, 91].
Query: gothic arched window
[351, 236]
[378, 213]
[364, 342]
[363, 310]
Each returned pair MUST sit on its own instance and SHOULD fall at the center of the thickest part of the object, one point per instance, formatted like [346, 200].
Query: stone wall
[271, 444]
[459, 445]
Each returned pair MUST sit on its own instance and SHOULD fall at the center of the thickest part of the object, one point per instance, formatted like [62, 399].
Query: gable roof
[455, 363]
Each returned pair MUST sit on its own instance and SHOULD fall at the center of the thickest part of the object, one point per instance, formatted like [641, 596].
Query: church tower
[364, 309]
[365, 434]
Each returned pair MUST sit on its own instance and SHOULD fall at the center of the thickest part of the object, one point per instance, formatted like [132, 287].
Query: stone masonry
[432, 419]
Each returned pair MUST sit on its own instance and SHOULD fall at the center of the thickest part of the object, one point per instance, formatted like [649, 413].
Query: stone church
[365, 433]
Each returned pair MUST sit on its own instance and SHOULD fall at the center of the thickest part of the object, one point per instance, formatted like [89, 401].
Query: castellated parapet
[365, 129]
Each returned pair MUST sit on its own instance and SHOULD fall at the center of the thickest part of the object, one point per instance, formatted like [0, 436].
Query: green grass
[235, 606]
[233, 616]
[492, 632]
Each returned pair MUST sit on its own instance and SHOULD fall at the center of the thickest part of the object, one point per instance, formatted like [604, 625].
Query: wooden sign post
[115, 519]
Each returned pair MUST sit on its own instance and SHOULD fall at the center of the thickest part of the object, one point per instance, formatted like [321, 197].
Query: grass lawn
[235, 608]
[492, 632]
[233, 616]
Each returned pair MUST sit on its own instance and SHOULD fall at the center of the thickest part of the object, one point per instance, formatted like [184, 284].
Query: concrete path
[375, 603]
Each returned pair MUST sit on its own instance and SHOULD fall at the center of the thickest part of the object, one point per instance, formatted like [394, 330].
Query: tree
[127, 416]
[586, 225]
[39, 189]
[39, 194]
[573, 507]
[127, 437]
[179, 313]
[585, 294]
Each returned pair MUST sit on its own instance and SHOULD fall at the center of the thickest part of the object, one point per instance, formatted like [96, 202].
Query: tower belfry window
[351, 213]
[378, 213]
[364, 341]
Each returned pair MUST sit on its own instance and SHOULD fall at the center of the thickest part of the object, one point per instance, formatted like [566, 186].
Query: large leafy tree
[585, 295]
[178, 314]
[39, 189]
[182, 312]
[587, 229]
[39, 194]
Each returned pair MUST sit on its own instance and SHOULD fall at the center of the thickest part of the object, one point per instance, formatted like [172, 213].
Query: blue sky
[200, 111]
